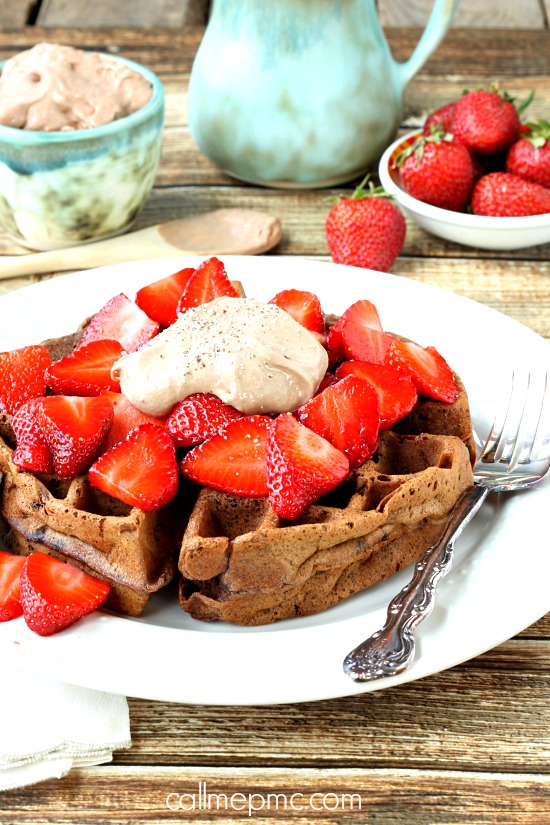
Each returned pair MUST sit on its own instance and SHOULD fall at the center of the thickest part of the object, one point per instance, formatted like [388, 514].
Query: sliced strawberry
[396, 391]
[301, 466]
[199, 417]
[87, 371]
[56, 594]
[159, 300]
[141, 470]
[32, 451]
[126, 418]
[365, 344]
[74, 427]
[346, 414]
[209, 281]
[22, 376]
[328, 380]
[430, 373]
[363, 313]
[122, 320]
[234, 460]
[10, 593]
[303, 306]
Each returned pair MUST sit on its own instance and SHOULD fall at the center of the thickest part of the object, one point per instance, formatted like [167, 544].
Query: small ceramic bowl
[59, 189]
[470, 230]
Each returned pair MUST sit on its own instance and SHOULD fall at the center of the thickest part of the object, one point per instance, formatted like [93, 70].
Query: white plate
[499, 582]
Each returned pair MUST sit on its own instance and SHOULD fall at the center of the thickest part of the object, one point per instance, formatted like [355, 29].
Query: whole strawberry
[529, 157]
[502, 194]
[442, 116]
[366, 229]
[437, 169]
[485, 122]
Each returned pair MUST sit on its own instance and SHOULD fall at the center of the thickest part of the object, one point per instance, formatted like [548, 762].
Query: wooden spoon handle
[146, 243]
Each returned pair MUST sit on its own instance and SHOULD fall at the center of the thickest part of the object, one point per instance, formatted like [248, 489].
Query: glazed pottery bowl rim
[155, 105]
[436, 213]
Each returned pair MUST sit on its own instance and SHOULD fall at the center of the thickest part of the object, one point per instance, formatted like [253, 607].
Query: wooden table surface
[470, 744]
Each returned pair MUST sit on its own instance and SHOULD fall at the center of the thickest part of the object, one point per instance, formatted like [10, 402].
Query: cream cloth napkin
[49, 727]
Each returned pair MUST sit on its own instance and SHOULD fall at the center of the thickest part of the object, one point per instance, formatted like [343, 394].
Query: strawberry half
[430, 373]
[347, 415]
[365, 344]
[303, 306]
[122, 320]
[87, 371]
[126, 418]
[22, 376]
[32, 450]
[56, 594]
[234, 460]
[396, 392]
[159, 300]
[141, 470]
[199, 417]
[74, 428]
[209, 281]
[10, 592]
[363, 313]
[301, 466]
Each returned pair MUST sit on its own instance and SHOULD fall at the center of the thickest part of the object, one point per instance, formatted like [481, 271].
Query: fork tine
[497, 429]
[541, 437]
[520, 435]
[509, 446]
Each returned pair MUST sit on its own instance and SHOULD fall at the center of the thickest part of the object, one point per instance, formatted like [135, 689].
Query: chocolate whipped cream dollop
[53, 88]
[252, 355]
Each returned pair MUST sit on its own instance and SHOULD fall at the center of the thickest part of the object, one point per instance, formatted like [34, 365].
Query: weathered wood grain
[102, 13]
[492, 14]
[434, 723]
[387, 797]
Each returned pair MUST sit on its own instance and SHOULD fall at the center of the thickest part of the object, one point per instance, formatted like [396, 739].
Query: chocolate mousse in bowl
[80, 142]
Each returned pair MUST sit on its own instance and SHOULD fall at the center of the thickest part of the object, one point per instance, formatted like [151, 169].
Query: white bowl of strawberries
[475, 174]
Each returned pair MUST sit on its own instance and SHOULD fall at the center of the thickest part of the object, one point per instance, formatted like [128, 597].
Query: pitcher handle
[436, 29]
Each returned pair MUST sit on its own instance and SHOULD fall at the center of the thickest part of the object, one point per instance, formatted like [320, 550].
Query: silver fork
[515, 456]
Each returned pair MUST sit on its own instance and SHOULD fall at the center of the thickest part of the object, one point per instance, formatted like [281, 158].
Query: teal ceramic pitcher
[300, 93]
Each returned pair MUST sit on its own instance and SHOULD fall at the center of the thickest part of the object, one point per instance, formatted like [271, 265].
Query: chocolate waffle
[243, 564]
[239, 561]
[134, 551]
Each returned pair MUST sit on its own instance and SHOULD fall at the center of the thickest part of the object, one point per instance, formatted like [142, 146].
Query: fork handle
[391, 649]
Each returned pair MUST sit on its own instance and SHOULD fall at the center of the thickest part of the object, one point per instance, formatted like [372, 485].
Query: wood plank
[470, 52]
[387, 796]
[492, 14]
[488, 714]
[14, 14]
[107, 13]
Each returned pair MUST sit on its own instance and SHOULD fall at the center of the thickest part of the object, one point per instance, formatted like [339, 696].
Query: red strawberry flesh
[122, 320]
[141, 470]
[301, 466]
[233, 460]
[346, 414]
[303, 306]
[159, 300]
[74, 428]
[55, 594]
[32, 450]
[22, 376]
[198, 417]
[87, 371]
[10, 592]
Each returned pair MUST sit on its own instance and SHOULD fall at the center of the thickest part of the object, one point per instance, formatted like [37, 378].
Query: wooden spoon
[221, 232]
